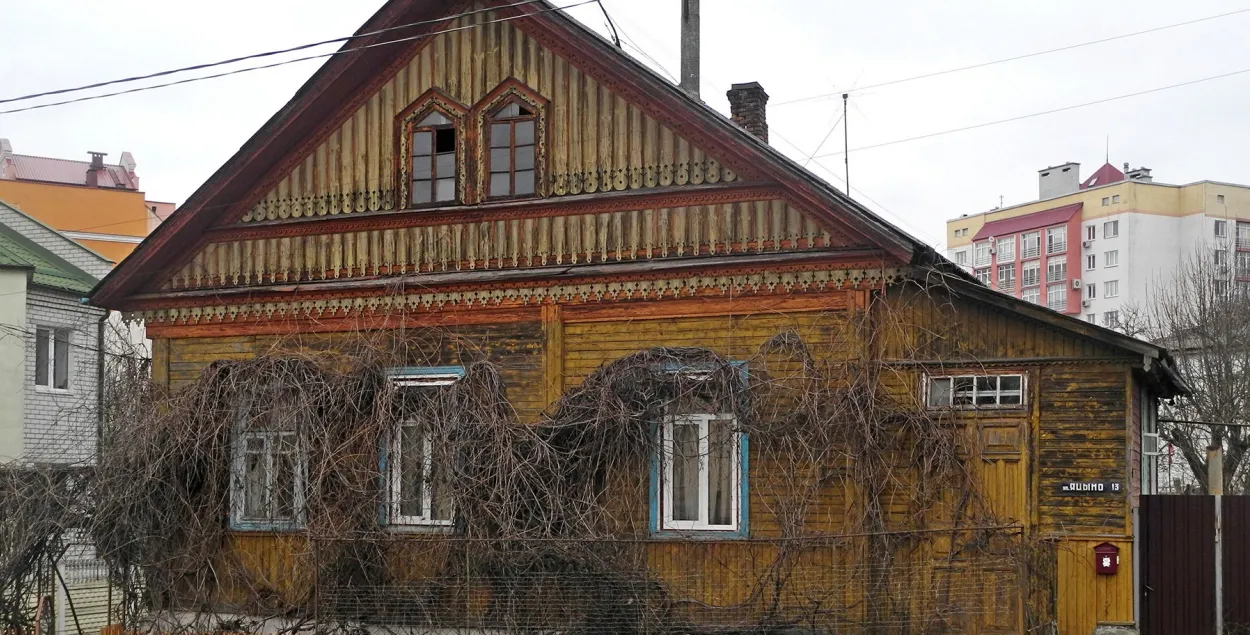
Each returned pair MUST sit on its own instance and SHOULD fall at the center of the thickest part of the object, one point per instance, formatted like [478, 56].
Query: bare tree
[1201, 312]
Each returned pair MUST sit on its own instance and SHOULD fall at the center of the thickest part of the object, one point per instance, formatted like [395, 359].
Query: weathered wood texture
[1086, 598]
[570, 238]
[598, 142]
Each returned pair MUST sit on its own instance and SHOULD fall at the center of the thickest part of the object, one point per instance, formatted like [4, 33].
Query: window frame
[1091, 262]
[1060, 243]
[659, 492]
[392, 467]
[1111, 289]
[406, 122]
[1032, 294]
[1111, 259]
[1061, 290]
[1007, 282]
[1036, 267]
[512, 147]
[1221, 228]
[1091, 232]
[48, 376]
[1008, 254]
[981, 253]
[508, 92]
[703, 420]
[238, 475]
[929, 379]
[1111, 229]
[1036, 250]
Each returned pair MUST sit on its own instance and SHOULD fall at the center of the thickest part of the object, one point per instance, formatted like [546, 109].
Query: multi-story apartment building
[97, 204]
[1092, 248]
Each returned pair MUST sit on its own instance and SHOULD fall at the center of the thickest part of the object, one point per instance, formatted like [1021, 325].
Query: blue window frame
[699, 480]
[414, 476]
[268, 470]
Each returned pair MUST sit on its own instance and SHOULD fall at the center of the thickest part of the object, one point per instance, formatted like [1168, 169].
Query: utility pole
[846, 143]
[690, 47]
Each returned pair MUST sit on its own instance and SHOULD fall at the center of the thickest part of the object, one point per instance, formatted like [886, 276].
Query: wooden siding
[1085, 598]
[570, 238]
[1083, 420]
[598, 142]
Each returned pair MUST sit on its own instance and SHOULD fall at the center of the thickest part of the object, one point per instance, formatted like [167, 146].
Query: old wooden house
[641, 371]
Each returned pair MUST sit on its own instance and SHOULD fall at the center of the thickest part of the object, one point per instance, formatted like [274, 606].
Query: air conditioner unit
[1076, 284]
[1087, 303]
[1087, 244]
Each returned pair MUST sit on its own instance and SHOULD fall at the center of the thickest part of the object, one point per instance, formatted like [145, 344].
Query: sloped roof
[67, 172]
[48, 269]
[1102, 176]
[1036, 220]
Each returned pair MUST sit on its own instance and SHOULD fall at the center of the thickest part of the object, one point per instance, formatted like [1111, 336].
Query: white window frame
[1219, 257]
[999, 393]
[1056, 240]
[1111, 289]
[1006, 250]
[1111, 259]
[1060, 291]
[1034, 266]
[1091, 232]
[1091, 262]
[418, 378]
[48, 376]
[1221, 229]
[1056, 269]
[1091, 291]
[984, 276]
[981, 253]
[1111, 319]
[961, 258]
[667, 522]
[396, 472]
[1092, 318]
[238, 478]
[1111, 229]
[1008, 282]
[1030, 244]
[1032, 294]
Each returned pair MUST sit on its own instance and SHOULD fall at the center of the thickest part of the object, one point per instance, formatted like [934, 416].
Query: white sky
[795, 48]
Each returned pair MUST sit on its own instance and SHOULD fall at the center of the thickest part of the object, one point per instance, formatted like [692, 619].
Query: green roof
[49, 270]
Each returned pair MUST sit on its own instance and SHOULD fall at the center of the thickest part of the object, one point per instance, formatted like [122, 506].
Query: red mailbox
[1106, 559]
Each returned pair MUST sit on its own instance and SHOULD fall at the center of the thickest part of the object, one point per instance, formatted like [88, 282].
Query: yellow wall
[1086, 598]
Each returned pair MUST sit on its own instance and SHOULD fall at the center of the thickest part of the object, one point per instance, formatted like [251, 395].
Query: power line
[253, 56]
[1011, 59]
[290, 61]
[1039, 114]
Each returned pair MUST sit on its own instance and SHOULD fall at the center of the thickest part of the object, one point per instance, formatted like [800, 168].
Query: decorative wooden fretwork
[740, 284]
[727, 228]
[433, 101]
[596, 140]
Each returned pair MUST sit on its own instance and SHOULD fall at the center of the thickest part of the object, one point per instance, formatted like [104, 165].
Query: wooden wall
[598, 142]
[1074, 426]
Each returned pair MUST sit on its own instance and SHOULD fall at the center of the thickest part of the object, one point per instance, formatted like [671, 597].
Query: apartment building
[97, 204]
[1092, 247]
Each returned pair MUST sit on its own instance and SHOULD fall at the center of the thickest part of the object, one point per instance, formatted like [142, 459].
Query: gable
[597, 141]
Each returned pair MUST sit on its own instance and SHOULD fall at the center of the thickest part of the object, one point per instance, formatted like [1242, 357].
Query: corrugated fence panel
[1178, 560]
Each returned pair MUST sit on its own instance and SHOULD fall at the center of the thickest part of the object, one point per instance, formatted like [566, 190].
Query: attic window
[433, 160]
[512, 157]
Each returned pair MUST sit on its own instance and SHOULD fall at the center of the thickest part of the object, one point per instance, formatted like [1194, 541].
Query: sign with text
[1090, 487]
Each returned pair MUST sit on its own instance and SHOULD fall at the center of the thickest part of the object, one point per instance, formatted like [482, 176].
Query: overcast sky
[795, 48]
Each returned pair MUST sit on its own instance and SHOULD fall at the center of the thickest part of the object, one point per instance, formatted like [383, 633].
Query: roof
[47, 269]
[1044, 218]
[1102, 176]
[65, 171]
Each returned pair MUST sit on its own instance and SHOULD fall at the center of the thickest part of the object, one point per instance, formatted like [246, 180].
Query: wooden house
[830, 429]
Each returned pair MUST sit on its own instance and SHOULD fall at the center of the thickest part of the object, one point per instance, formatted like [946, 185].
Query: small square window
[1219, 198]
[1115, 199]
[1106, 200]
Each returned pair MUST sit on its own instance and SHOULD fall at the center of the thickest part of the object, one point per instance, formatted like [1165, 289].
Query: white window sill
[54, 391]
[421, 528]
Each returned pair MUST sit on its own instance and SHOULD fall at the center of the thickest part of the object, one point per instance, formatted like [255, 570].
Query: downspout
[99, 392]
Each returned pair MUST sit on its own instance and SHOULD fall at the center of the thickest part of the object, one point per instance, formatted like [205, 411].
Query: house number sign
[1090, 487]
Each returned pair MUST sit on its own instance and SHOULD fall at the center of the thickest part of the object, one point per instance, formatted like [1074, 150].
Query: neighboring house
[1093, 248]
[512, 189]
[97, 204]
[51, 342]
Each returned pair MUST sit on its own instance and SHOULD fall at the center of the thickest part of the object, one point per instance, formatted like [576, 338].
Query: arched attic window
[512, 132]
[432, 151]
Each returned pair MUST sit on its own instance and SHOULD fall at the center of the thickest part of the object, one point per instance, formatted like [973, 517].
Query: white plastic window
[52, 358]
[701, 472]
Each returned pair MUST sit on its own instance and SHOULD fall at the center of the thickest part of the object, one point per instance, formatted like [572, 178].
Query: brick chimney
[96, 167]
[747, 108]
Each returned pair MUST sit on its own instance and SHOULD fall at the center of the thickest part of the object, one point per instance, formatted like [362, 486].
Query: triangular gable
[282, 158]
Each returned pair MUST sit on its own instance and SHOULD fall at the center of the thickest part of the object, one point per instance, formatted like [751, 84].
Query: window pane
[500, 184]
[446, 190]
[411, 463]
[987, 384]
[525, 182]
[422, 143]
[254, 482]
[41, 356]
[445, 140]
[939, 392]
[525, 157]
[525, 132]
[1009, 400]
[435, 119]
[421, 191]
[500, 135]
[685, 472]
[445, 164]
[500, 160]
[284, 478]
[422, 167]
[963, 391]
[1009, 382]
[511, 110]
[720, 465]
[60, 360]
[440, 491]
